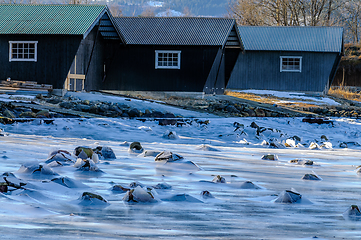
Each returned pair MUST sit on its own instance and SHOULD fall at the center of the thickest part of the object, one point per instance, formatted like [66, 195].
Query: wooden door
[76, 78]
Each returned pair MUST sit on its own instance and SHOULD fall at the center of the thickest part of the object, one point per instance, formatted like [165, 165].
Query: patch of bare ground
[298, 104]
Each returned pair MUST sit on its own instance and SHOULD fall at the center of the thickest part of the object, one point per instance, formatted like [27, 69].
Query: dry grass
[270, 99]
[344, 92]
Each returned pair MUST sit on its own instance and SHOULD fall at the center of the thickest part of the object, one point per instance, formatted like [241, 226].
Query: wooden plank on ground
[25, 84]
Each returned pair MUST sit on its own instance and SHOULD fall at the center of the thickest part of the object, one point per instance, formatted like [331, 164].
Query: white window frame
[11, 59]
[290, 70]
[157, 66]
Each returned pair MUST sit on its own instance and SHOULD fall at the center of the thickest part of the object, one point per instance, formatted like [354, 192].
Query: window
[23, 51]
[167, 59]
[291, 64]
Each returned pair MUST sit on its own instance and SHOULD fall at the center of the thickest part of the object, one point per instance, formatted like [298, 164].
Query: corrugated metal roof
[175, 30]
[306, 39]
[48, 19]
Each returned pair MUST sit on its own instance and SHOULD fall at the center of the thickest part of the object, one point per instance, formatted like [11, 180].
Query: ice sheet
[47, 210]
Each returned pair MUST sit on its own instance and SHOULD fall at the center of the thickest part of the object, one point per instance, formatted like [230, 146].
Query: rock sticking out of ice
[219, 179]
[271, 157]
[91, 199]
[61, 156]
[302, 162]
[167, 156]
[135, 147]
[206, 194]
[86, 165]
[86, 153]
[68, 182]
[139, 194]
[183, 197]
[170, 135]
[249, 185]
[205, 147]
[162, 186]
[35, 168]
[288, 196]
[352, 213]
[105, 153]
[311, 176]
[120, 188]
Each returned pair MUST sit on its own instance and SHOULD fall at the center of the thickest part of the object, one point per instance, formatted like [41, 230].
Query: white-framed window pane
[167, 59]
[23, 51]
[290, 64]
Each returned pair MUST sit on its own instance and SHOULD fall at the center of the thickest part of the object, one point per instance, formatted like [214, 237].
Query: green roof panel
[48, 19]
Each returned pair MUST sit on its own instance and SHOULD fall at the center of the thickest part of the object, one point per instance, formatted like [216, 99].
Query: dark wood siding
[133, 68]
[261, 70]
[55, 56]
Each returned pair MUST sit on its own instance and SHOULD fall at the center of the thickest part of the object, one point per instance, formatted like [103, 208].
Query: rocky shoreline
[14, 111]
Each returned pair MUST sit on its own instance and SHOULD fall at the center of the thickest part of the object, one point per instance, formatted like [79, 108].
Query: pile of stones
[108, 109]
[226, 108]
[345, 111]
[9, 112]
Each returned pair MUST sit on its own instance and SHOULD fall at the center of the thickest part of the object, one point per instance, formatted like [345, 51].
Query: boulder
[135, 147]
[311, 176]
[139, 194]
[43, 114]
[288, 196]
[27, 114]
[86, 165]
[205, 147]
[249, 185]
[133, 113]
[206, 194]
[68, 182]
[167, 156]
[9, 114]
[104, 153]
[219, 179]
[84, 152]
[120, 188]
[92, 197]
[170, 135]
[271, 157]
[352, 213]
[162, 186]
[35, 168]
[302, 162]
[62, 156]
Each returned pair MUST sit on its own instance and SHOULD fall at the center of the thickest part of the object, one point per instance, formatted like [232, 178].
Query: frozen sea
[44, 209]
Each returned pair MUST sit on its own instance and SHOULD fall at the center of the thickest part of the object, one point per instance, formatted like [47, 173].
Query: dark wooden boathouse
[54, 44]
[288, 58]
[172, 54]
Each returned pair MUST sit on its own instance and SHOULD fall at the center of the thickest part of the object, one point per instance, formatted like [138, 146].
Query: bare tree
[249, 12]
[115, 10]
[148, 12]
[284, 12]
[187, 12]
[352, 19]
